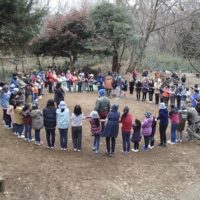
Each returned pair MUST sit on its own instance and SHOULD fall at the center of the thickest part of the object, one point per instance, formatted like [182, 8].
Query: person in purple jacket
[147, 129]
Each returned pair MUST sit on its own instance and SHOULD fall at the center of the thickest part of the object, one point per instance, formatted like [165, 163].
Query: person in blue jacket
[111, 129]
[163, 118]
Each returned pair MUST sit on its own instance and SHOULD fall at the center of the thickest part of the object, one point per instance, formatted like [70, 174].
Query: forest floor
[37, 173]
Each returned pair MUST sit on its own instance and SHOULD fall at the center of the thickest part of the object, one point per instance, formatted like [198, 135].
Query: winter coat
[10, 111]
[112, 125]
[145, 87]
[108, 82]
[151, 87]
[163, 117]
[147, 126]
[174, 116]
[27, 120]
[49, 115]
[59, 95]
[136, 137]
[138, 86]
[102, 105]
[37, 119]
[18, 115]
[5, 100]
[62, 118]
[126, 123]
[95, 129]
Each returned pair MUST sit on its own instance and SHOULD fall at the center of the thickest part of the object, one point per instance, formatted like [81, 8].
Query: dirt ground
[37, 173]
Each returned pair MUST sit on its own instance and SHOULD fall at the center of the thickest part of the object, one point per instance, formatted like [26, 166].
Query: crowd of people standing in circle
[21, 112]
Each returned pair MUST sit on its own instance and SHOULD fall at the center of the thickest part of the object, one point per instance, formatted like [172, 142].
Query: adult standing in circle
[102, 107]
[163, 117]
[49, 114]
[111, 129]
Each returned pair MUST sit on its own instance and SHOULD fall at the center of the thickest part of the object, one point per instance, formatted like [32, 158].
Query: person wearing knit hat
[146, 130]
[163, 118]
[102, 106]
[102, 92]
[148, 114]
[95, 130]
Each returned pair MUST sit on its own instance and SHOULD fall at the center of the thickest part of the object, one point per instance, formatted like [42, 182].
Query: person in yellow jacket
[19, 127]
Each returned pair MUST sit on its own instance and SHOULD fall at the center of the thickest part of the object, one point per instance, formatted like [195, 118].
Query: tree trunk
[38, 62]
[72, 59]
[115, 64]
[3, 70]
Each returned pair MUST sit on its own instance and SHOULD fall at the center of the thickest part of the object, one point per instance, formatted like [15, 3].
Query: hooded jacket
[112, 126]
[174, 116]
[49, 115]
[62, 118]
[147, 126]
[163, 116]
[37, 119]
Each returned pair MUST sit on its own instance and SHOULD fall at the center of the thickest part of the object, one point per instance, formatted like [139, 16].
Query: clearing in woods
[37, 173]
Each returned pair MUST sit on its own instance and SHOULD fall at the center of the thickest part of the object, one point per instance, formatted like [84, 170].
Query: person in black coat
[49, 114]
[58, 94]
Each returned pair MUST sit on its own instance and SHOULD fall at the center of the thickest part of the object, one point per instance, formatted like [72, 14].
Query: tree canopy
[19, 22]
[64, 35]
[114, 27]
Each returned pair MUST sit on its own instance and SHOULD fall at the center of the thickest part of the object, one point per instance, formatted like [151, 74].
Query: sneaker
[65, 149]
[52, 147]
[21, 136]
[32, 140]
[75, 149]
[181, 140]
[39, 143]
[61, 149]
[26, 139]
[151, 147]
[96, 151]
[172, 143]
[93, 148]
[78, 150]
[15, 133]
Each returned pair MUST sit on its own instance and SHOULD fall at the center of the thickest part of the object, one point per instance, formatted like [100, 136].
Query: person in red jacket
[126, 121]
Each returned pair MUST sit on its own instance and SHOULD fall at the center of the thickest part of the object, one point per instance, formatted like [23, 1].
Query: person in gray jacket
[102, 107]
[37, 122]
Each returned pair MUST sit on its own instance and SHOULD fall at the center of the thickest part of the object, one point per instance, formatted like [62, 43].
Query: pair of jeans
[63, 138]
[110, 141]
[144, 96]
[136, 145]
[19, 128]
[157, 98]
[138, 95]
[27, 133]
[50, 135]
[79, 86]
[162, 130]
[146, 141]
[150, 96]
[77, 137]
[173, 132]
[179, 136]
[6, 118]
[126, 141]
[37, 136]
[178, 101]
[69, 85]
[96, 142]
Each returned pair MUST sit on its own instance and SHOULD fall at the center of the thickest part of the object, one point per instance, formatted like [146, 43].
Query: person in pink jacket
[147, 129]
[174, 117]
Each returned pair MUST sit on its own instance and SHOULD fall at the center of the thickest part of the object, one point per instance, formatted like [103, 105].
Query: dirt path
[37, 173]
